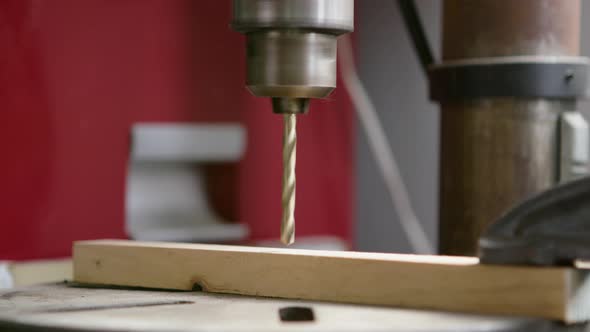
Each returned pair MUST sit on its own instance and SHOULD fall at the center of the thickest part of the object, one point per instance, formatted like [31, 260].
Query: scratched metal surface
[67, 307]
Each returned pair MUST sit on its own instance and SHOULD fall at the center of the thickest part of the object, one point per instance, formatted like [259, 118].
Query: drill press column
[498, 150]
[291, 57]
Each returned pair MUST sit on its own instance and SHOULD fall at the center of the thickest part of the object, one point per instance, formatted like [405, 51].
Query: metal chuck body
[291, 57]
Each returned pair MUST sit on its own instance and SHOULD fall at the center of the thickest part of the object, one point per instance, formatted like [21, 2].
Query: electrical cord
[381, 150]
[416, 32]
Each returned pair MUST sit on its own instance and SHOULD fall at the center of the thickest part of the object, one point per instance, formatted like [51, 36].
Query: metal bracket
[558, 77]
[574, 149]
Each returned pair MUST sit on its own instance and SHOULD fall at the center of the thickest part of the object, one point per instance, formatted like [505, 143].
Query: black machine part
[551, 77]
[551, 228]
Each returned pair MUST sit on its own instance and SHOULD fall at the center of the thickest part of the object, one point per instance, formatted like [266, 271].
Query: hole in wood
[197, 287]
[296, 314]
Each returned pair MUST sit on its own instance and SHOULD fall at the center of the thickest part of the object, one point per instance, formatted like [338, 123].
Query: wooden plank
[411, 281]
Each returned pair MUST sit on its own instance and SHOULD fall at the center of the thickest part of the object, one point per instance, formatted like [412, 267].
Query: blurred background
[395, 82]
[130, 119]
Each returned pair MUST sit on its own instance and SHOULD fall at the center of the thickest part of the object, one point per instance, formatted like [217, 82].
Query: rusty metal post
[497, 151]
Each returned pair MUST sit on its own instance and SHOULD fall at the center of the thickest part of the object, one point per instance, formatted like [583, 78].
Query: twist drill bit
[288, 197]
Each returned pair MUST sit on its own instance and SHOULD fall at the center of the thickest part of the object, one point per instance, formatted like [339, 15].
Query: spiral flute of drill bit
[288, 197]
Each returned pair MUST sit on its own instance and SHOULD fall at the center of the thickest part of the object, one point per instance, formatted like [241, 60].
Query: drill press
[291, 57]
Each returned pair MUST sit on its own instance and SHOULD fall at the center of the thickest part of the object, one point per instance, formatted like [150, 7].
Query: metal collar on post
[550, 77]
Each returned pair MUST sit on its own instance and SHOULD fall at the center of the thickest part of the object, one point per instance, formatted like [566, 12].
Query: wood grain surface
[410, 281]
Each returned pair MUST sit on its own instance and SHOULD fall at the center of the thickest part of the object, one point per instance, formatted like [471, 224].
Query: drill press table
[68, 307]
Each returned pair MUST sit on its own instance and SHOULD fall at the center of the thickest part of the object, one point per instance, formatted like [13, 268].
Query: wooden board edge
[568, 282]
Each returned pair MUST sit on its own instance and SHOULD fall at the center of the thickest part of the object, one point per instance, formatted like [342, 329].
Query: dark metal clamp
[551, 228]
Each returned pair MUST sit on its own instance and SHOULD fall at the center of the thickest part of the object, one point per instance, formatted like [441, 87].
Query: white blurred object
[381, 150]
[5, 276]
[187, 143]
[166, 198]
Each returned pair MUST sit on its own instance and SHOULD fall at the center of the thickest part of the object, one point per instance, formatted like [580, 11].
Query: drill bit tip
[288, 195]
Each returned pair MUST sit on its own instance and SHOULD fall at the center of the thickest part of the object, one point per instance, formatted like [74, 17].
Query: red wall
[74, 75]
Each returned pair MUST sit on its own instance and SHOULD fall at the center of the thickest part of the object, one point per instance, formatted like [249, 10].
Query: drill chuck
[291, 57]
[291, 47]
